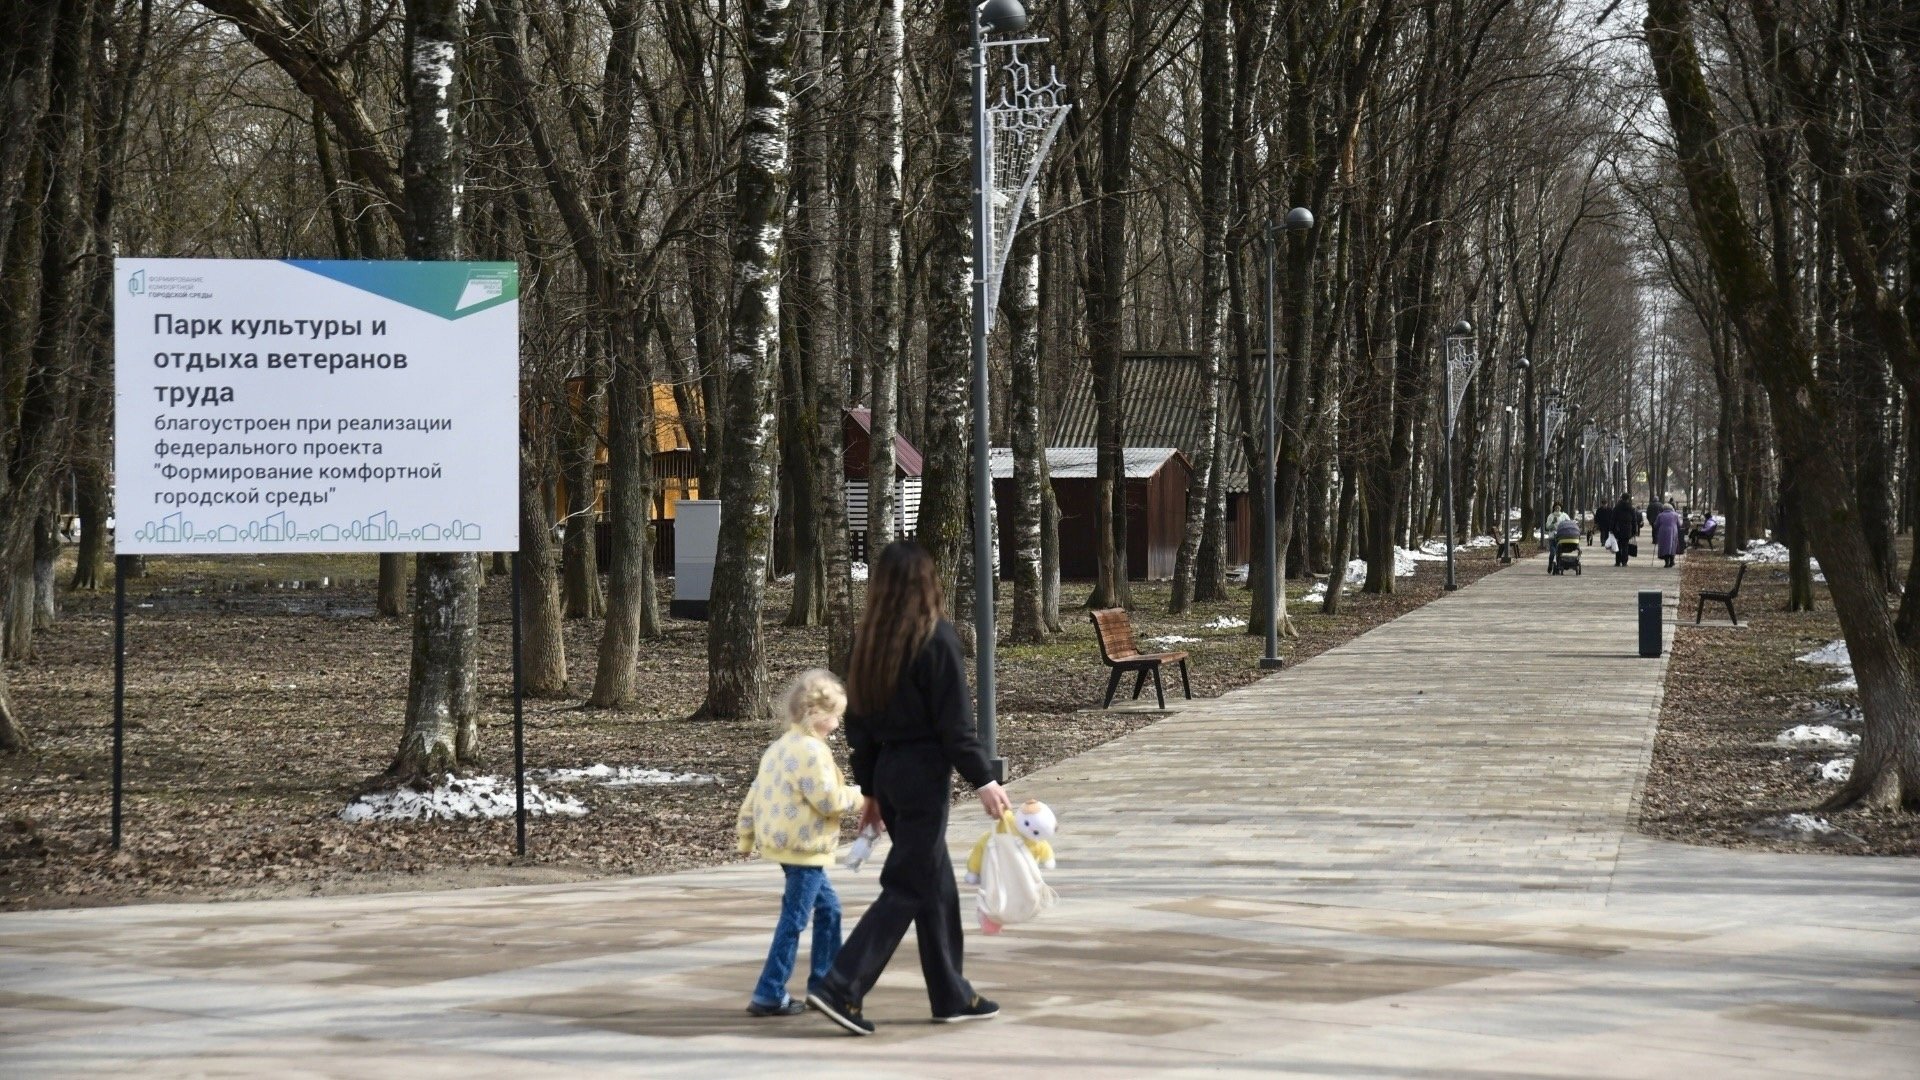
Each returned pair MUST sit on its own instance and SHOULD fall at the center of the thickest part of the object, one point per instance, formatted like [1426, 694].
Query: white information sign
[295, 406]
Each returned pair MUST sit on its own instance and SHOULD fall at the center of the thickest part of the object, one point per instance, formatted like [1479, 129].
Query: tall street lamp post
[1506, 467]
[1298, 219]
[1460, 361]
[1552, 413]
[992, 16]
[1506, 484]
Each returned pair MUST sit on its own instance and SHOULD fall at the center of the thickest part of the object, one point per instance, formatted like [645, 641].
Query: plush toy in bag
[1006, 863]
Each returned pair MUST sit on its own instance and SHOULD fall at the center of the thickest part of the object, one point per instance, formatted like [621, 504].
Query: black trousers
[912, 782]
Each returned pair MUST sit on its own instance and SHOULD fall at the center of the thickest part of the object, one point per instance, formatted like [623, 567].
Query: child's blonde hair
[814, 694]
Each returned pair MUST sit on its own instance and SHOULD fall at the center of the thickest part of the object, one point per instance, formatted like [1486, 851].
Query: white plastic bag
[1611, 543]
[1011, 888]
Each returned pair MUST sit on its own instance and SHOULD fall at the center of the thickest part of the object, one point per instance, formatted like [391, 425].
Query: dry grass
[1717, 774]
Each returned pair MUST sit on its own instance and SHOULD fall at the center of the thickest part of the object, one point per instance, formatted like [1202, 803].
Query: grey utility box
[696, 539]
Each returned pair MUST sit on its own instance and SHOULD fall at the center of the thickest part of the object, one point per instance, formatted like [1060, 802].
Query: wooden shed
[857, 438]
[1164, 392]
[1156, 480]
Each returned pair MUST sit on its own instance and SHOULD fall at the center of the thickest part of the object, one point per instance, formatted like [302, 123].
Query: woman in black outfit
[909, 726]
[1626, 526]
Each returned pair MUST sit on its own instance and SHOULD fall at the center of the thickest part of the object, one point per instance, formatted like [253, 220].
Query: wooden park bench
[1119, 652]
[1726, 597]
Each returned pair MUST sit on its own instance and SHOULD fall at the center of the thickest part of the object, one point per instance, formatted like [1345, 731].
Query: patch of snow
[1479, 543]
[1805, 824]
[1832, 654]
[1763, 551]
[1239, 573]
[1226, 622]
[1848, 685]
[859, 571]
[457, 799]
[1315, 595]
[1837, 771]
[621, 776]
[1170, 640]
[1816, 735]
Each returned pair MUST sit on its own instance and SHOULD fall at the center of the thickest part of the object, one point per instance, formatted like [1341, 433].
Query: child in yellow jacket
[791, 816]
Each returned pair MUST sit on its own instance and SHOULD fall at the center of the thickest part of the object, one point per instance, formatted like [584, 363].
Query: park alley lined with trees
[737, 221]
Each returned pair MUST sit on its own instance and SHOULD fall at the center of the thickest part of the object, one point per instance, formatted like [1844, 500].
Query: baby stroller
[1566, 549]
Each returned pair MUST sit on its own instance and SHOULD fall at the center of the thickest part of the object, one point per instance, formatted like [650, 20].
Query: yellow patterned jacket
[792, 813]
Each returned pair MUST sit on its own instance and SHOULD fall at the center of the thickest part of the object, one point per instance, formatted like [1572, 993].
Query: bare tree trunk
[94, 506]
[630, 501]
[736, 660]
[1206, 498]
[440, 735]
[46, 550]
[819, 335]
[1887, 768]
[949, 329]
[579, 457]
[543, 648]
[883, 345]
[391, 599]
[1020, 306]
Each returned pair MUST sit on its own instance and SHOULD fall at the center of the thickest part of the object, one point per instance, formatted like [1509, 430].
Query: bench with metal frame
[1119, 652]
[1719, 597]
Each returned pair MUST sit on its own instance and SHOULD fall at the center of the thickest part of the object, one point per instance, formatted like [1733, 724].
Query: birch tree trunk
[736, 660]
[1020, 306]
[883, 344]
[1198, 572]
[441, 735]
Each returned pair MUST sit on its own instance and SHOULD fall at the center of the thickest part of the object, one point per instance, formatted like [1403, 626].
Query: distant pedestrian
[1603, 521]
[791, 816]
[909, 726]
[1626, 525]
[1667, 533]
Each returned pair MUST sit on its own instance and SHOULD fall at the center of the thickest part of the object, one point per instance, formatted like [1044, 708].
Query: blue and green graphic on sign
[450, 290]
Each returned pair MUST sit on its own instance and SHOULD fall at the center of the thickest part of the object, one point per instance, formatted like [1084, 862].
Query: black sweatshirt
[930, 703]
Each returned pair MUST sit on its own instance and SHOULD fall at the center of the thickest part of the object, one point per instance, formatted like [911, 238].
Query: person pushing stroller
[1566, 544]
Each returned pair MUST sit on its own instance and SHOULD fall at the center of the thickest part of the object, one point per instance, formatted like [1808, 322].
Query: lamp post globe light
[1298, 220]
[1458, 372]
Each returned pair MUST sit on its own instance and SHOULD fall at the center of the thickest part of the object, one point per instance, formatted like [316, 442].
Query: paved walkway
[1409, 856]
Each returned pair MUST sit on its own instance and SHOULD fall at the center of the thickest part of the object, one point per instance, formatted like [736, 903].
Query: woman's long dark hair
[903, 605]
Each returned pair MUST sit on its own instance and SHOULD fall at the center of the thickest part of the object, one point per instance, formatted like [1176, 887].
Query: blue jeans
[808, 893]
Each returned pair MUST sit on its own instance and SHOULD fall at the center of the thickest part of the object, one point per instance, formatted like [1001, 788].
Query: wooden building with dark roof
[1156, 482]
[1164, 393]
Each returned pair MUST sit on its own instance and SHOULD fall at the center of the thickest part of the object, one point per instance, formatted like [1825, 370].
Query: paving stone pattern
[1410, 856]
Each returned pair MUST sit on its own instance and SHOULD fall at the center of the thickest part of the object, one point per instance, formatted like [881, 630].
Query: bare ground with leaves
[256, 710]
[1718, 776]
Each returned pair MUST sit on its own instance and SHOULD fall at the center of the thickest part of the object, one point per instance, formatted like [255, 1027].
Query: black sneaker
[789, 1007]
[977, 1009]
[839, 1010]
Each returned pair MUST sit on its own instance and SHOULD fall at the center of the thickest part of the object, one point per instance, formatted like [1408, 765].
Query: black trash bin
[1652, 632]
